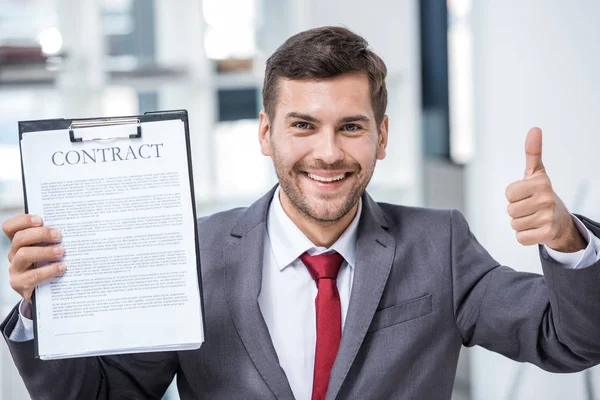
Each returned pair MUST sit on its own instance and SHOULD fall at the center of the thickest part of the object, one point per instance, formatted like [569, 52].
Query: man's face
[324, 143]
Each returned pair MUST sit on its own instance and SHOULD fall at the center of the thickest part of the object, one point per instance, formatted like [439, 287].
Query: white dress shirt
[287, 297]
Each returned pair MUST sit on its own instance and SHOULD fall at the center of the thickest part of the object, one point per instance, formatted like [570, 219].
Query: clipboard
[75, 127]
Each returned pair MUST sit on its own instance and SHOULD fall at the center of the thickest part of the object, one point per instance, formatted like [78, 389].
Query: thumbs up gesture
[538, 214]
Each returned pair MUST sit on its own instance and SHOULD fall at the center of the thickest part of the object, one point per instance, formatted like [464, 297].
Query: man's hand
[538, 214]
[26, 233]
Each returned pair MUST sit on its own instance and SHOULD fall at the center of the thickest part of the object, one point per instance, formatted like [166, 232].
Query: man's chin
[321, 206]
[327, 213]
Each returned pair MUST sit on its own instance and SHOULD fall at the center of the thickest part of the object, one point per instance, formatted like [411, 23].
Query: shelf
[142, 79]
[36, 74]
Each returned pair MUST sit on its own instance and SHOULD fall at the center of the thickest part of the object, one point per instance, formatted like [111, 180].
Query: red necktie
[324, 269]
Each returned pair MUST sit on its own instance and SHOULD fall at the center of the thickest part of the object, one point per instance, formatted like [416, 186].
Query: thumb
[533, 152]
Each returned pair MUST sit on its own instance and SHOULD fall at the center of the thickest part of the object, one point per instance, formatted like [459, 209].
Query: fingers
[26, 256]
[533, 221]
[25, 283]
[20, 222]
[533, 152]
[538, 215]
[531, 236]
[25, 232]
[531, 205]
[524, 189]
[537, 222]
[31, 236]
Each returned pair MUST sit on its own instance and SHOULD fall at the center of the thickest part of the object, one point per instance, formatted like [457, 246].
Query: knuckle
[548, 232]
[540, 182]
[510, 193]
[17, 239]
[32, 280]
[24, 286]
[20, 255]
[13, 281]
[546, 200]
[546, 179]
[36, 276]
[511, 210]
[524, 238]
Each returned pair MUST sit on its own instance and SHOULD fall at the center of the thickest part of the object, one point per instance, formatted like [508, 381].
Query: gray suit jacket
[423, 286]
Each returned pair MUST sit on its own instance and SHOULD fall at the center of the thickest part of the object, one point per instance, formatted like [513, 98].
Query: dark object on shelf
[18, 55]
[27, 64]
[233, 65]
[149, 71]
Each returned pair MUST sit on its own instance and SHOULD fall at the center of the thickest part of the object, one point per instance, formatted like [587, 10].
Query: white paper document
[125, 210]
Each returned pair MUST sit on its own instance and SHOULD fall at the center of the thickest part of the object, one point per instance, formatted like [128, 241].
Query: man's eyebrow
[343, 120]
[354, 118]
[298, 115]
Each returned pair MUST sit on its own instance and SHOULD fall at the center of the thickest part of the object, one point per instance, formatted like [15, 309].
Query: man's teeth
[323, 179]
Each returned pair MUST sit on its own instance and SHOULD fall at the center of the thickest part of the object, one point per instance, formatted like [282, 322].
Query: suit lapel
[244, 262]
[243, 258]
[375, 250]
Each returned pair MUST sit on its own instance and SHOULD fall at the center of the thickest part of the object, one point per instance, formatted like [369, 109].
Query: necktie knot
[322, 266]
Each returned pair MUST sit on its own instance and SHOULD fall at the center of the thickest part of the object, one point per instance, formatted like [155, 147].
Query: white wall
[537, 63]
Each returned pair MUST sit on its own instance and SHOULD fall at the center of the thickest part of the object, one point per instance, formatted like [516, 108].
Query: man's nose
[328, 147]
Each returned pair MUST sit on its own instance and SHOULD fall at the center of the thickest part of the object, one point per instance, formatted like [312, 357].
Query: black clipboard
[73, 125]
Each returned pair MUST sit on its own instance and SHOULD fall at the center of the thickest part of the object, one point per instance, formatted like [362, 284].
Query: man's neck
[322, 234]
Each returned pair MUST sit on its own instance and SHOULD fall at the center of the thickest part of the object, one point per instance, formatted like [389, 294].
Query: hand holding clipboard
[120, 192]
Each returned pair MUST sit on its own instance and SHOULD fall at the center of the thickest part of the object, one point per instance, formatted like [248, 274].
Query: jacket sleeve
[552, 321]
[132, 376]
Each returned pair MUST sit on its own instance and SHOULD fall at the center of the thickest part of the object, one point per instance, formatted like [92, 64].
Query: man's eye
[302, 125]
[351, 127]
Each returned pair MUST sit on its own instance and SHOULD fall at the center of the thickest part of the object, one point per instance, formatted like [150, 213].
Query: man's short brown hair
[323, 53]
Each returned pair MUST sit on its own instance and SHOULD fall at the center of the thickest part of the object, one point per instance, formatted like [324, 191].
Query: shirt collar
[288, 242]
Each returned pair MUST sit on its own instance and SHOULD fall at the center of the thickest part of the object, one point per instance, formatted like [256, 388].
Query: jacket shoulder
[213, 228]
[421, 219]
[425, 214]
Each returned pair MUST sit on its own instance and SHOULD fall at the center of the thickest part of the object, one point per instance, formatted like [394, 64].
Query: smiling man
[324, 139]
[317, 291]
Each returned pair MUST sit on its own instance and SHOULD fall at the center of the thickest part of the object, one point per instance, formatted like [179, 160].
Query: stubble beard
[321, 213]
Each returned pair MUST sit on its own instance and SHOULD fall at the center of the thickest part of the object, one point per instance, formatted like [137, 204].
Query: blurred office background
[467, 79]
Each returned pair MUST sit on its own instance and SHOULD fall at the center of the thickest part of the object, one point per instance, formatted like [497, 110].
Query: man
[316, 256]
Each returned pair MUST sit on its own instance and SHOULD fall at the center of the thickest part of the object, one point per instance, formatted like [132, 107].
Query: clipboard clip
[105, 122]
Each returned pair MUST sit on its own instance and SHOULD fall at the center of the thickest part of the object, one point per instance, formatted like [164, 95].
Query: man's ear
[264, 133]
[383, 138]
